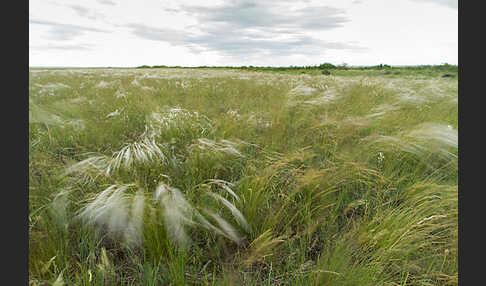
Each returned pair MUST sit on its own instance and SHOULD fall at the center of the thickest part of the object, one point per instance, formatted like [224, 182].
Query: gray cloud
[65, 32]
[230, 44]
[448, 3]
[172, 36]
[245, 28]
[245, 43]
[247, 14]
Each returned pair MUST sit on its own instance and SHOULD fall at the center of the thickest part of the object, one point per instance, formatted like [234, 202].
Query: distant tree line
[324, 67]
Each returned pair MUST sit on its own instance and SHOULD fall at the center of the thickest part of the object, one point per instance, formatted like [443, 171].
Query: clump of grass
[122, 212]
[110, 209]
[143, 152]
[179, 118]
[424, 141]
[147, 150]
[261, 247]
[37, 114]
[223, 146]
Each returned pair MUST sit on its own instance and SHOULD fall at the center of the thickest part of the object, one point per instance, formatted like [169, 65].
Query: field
[236, 177]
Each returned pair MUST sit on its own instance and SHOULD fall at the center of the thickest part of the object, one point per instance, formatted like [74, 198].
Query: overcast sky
[126, 33]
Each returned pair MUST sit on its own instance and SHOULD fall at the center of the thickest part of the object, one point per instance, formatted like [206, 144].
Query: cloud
[82, 11]
[65, 32]
[172, 36]
[172, 10]
[448, 3]
[231, 44]
[61, 47]
[85, 12]
[247, 14]
[245, 28]
[107, 2]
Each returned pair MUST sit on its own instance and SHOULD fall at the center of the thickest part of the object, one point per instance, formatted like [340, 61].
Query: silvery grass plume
[221, 147]
[179, 214]
[325, 96]
[226, 186]
[90, 168]
[134, 230]
[79, 99]
[142, 152]
[114, 113]
[440, 133]
[59, 206]
[386, 107]
[382, 109]
[240, 219]
[301, 90]
[225, 228]
[121, 214]
[408, 95]
[439, 88]
[118, 212]
[135, 82]
[137, 153]
[59, 281]
[102, 84]
[178, 119]
[120, 93]
[52, 86]
[149, 88]
[427, 138]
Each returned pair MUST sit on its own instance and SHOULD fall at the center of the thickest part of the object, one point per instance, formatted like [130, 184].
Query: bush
[326, 66]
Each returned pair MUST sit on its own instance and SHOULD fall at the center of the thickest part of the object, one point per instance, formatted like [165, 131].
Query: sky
[122, 33]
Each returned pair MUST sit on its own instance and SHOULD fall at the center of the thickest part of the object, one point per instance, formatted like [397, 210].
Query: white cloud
[107, 2]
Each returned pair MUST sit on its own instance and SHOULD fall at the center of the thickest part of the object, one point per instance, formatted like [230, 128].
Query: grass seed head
[177, 213]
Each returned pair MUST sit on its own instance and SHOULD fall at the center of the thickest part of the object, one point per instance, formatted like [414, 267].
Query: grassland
[238, 177]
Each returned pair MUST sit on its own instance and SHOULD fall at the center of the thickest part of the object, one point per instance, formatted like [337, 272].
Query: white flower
[381, 157]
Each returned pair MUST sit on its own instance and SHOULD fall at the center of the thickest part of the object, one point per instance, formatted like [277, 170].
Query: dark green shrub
[326, 66]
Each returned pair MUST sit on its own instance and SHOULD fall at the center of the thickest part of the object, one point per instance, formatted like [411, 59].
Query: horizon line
[241, 66]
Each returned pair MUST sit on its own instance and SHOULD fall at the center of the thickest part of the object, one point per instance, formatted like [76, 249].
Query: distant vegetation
[328, 68]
